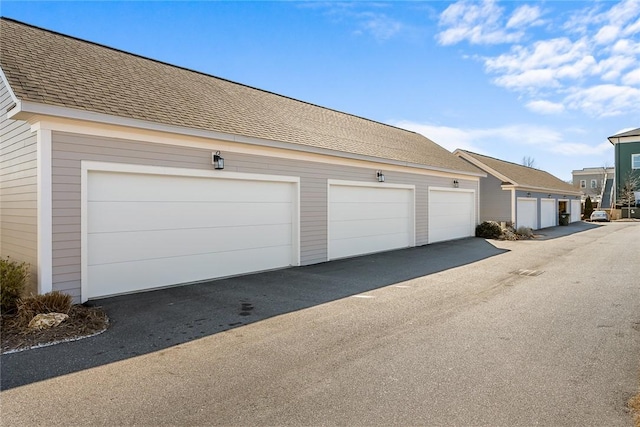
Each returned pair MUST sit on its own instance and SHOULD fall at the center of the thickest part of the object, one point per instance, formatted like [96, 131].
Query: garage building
[122, 174]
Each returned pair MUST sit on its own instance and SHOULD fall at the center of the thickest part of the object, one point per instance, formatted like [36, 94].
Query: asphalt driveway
[151, 321]
[542, 332]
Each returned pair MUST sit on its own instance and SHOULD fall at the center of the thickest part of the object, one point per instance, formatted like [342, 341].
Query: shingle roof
[519, 175]
[53, 69]
[632, 132]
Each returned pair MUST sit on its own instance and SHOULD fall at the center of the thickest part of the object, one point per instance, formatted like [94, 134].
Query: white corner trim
[13, 96]
[87, 166]
[45, 211]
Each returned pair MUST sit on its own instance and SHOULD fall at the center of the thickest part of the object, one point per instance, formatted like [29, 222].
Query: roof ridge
[4, 18]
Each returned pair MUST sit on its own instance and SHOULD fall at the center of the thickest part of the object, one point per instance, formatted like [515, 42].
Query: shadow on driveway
[150, 321]
[565, 230]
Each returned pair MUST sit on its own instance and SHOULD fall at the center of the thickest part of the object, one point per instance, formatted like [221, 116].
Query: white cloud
[604, 100]
[478, 23]
[447, 137]
[525, 15]
[607, 34]
[578, 149]
[592, 68]
[545, 107]
[632, 78]
[379, 25]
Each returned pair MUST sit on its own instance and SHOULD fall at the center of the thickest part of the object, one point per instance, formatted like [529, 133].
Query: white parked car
[597, 216]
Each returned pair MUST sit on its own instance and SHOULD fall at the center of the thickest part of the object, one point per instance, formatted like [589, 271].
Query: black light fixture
[456, 184]
[380, 176]
[217, 160]
[548, 196]
[528, 194]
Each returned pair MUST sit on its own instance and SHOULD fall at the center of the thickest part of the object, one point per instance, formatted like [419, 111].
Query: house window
[583, 183]
[594, 183]
[635, 161]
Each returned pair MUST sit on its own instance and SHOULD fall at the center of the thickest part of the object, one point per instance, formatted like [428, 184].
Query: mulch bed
[82, 322]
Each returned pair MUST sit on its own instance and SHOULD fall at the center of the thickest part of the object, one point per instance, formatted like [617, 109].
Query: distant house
[521, 195]
[627, 158]
[597, 183]
[121, 173]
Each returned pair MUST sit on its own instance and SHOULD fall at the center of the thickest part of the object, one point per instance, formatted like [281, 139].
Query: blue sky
[549, 80]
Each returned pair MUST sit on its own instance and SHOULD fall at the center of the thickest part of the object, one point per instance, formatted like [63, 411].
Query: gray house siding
[18, 190]
[68, 150]
[495, 203]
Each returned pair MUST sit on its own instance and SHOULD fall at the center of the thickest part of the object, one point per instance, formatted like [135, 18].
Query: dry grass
[634, 405]
[83, 321]
[51, 302]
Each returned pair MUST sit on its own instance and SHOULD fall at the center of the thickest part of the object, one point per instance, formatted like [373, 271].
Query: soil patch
[82, 322]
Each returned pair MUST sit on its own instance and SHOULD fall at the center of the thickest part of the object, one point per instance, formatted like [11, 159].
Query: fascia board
[540, 189]
[31, 111]
[14, 98]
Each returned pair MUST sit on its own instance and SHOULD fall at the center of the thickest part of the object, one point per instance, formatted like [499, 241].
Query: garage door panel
[451, 215]
[527, 215]
[547, 213]
[344, 194]
[153, 273]
[130, 216]
[576, 206]
[141, 245]
[367, 244]
[369, 219]
[351, 229]
[144, 187]
[368, 211]
[145, 231]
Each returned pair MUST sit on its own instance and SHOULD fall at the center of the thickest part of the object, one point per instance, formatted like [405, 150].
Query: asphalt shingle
[49, 68]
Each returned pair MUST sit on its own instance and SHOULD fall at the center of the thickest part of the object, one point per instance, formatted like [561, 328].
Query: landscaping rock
[48, 320]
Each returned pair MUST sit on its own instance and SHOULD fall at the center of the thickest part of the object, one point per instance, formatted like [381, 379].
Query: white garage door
[547, 213]
[366, 219]
[527, 213]
[145, 231]
[576, 213]
[451, 214]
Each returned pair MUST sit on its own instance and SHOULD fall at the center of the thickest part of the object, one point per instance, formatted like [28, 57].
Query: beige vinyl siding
[70, 149]
[18, 191]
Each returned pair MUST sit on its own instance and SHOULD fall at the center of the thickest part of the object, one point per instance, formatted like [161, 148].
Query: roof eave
[30, 111]
[541, 189]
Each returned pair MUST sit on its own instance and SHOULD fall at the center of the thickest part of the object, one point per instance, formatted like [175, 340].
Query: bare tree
[629, 186]
[529, 162]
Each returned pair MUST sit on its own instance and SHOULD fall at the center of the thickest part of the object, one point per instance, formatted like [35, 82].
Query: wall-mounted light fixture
[380, 176]
[548, 196]
[528, 194]
[217, 160]
[456, 184]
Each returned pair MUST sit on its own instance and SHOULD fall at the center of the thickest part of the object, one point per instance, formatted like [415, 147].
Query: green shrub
[489, 230]
[524, 232]
[588, 208]
[13, 280]
[51, 302]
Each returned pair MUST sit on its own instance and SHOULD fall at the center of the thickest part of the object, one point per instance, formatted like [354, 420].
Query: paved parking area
[448, 334]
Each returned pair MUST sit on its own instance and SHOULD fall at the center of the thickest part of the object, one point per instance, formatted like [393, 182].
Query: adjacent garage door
[365, 219]
[451, 214]
[547, 213]
[576, 213]
[148, 230]
[527, 213]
